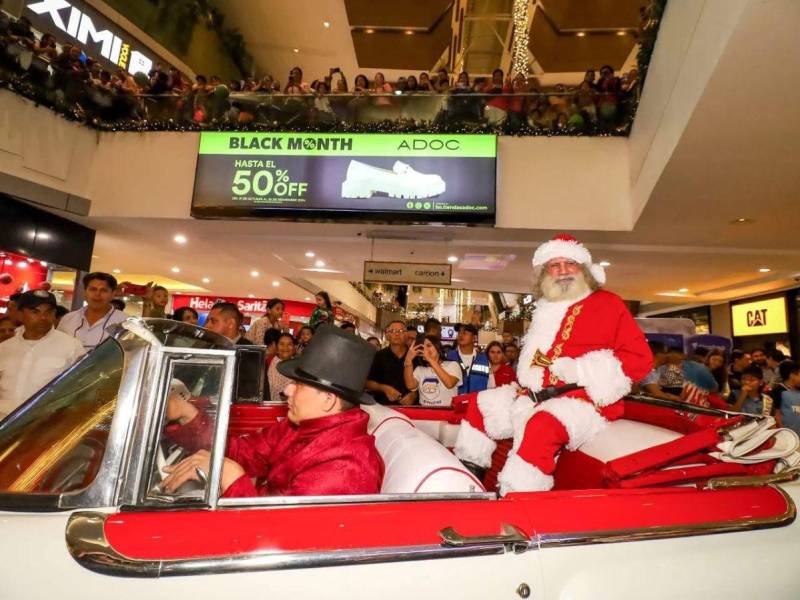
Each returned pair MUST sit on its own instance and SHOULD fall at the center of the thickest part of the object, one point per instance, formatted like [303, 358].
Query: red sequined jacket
[326, 456]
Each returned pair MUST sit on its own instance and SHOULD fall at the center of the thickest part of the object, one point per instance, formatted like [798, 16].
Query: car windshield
[55, 442]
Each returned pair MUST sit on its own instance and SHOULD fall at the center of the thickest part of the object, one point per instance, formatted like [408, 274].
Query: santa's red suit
[592, 341]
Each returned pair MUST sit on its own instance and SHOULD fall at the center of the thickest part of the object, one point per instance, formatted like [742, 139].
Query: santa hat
[566, 246]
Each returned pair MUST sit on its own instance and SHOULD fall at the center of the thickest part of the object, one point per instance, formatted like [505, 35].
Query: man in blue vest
[474, 365]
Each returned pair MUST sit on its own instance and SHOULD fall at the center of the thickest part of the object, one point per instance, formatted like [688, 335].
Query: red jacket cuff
[241, 488]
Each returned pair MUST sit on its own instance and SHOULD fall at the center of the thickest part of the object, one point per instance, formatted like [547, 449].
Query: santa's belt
[551, 392]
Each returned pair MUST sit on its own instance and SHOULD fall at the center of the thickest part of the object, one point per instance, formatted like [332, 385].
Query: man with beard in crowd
[584, 346]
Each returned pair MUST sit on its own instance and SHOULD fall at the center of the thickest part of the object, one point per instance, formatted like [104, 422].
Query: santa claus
[583, 351]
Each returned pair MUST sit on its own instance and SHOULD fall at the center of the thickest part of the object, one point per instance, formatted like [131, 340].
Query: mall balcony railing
[106, 107]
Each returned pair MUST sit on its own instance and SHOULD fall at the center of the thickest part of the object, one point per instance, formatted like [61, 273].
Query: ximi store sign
[78, 24]
[760, 317]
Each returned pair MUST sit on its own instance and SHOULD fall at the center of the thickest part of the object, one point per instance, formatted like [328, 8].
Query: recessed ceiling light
[253, 273]
[22, 264]
[581, 34]
[743, 221]
[206, 280]
[310, 254]
[95, 256]
[452, 259]
[296, 50]
[175, 269]
[251, 295]
[408, 32]
[764, 270]
[605, 263]
[320, 263]
[180, 239]
[620, 32]
[308, 298]
[369, 31]
[326, 24]
[683, 290]
[276, 283]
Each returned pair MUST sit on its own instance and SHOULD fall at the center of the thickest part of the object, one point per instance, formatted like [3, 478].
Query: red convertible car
[83, 514]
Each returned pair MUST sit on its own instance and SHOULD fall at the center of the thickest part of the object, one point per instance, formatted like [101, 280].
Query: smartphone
[132, 289]
[419, 361]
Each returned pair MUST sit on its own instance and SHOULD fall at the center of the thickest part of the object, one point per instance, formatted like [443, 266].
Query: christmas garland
[648, 33]
[44, 97]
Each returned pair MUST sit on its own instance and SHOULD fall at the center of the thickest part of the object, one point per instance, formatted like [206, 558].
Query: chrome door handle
[509, 535]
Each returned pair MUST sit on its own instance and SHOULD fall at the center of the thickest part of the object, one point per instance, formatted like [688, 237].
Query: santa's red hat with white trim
[566, 246]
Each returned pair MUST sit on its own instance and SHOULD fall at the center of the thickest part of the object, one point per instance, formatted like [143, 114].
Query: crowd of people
[40, 339]
[761, 382]
[68, 79]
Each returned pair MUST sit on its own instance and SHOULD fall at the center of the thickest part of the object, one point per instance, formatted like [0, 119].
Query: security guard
[474, 365]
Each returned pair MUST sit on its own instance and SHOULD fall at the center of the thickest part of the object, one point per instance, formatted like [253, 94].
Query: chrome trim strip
[739, 481]
[612, 536]
[686, 407]
[268, 501]
[87, 544]
[221, 433]
[195, 352]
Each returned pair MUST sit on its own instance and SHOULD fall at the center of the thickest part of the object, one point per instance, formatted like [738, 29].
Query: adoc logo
[423, 144]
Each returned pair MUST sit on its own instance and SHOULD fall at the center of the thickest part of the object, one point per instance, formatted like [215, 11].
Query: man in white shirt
[88, 324]
[36, 354]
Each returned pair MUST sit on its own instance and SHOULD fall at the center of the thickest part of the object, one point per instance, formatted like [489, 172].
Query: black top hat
[336, 361]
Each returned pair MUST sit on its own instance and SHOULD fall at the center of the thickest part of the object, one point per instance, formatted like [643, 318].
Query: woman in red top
[500, 372]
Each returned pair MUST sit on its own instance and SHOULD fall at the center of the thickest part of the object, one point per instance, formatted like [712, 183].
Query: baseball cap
[34, 298]
[467, 327]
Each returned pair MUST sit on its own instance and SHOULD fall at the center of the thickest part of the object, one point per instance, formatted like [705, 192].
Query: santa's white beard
[564, 288]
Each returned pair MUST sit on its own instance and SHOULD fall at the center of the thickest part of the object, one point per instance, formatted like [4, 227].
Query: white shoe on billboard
[363, 181]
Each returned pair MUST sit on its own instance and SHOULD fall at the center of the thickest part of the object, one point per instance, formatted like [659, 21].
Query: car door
[683, 542]
[197, 545]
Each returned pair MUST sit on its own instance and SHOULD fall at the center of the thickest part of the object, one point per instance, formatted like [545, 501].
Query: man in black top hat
[322, 448]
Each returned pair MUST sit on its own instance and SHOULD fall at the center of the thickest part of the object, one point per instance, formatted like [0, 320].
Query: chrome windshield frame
[150, 417]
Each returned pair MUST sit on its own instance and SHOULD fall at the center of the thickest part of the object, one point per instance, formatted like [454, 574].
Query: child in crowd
[323, 312]
[786, 396]
[750, 398]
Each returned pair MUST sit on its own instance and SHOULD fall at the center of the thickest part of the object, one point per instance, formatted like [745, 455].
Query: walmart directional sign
[401, 272]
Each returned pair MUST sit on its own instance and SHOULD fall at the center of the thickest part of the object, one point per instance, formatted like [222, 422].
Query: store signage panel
[78, 23]
[760, 317]
[410, 273]
[372, 177]
[252, 306]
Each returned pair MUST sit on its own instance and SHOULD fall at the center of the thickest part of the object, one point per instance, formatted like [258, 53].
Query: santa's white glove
[566, 369]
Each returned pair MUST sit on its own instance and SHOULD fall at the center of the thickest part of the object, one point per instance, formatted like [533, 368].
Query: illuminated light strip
[26, 481]
[519, 47]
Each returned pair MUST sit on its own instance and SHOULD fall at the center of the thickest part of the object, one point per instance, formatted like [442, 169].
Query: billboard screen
[373, 177]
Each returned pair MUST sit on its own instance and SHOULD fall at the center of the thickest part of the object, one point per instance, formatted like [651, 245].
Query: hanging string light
[519, 42]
